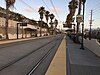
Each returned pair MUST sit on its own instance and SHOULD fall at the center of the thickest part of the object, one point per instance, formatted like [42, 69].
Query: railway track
[20, 42]
[44, 51]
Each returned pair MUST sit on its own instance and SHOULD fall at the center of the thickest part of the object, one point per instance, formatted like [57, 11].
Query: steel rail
[14, 61]
[43, 58]
[19, 42]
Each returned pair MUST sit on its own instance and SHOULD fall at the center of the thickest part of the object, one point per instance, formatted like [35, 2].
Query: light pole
[90, 33]
[52, 17]
[41, 12]
[82, 45]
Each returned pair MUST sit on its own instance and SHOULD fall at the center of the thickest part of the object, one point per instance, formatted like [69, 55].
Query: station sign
[23, 24]
[79, 18]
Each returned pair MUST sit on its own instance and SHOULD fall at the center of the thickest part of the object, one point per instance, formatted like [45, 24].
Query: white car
[2, 37]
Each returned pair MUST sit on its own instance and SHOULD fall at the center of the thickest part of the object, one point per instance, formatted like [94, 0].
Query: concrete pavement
[81, 62]
[14, 40]
[58, 64]
[17, 40]
[93, 46]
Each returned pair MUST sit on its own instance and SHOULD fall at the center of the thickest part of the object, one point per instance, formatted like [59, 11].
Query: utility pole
[90, 24]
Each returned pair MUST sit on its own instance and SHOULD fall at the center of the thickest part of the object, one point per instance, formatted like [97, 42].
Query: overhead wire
[54, 9]
[96, 9]
[46, 5]
[96, 6]
[66, 1]
[28, 6]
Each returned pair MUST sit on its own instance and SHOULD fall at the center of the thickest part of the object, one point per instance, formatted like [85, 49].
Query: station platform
[14, 40]
[20, 39]
[81, 62]
[58, 64]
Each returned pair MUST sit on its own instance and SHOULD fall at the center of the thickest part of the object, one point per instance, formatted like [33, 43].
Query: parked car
[2, 37]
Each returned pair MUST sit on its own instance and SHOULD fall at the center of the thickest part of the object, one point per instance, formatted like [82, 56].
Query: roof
[30, 29]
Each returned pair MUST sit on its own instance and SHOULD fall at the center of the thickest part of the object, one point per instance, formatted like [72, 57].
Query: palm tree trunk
[6, 23]
[8, 4]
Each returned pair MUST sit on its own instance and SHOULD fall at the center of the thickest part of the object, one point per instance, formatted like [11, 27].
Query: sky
[29, 8]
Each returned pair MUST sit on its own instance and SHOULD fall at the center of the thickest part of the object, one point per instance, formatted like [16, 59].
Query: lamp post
[82, 45]
[52, 17]
[41, 12]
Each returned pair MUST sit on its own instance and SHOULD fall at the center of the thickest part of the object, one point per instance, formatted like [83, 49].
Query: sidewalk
[17, 40]
[58, 64]
[92, 45]
[14, 40]
[81, 62]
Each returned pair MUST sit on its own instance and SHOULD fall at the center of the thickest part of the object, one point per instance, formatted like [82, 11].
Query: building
[32, 28]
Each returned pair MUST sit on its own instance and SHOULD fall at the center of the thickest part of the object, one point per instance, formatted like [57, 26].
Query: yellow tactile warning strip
[58, 64]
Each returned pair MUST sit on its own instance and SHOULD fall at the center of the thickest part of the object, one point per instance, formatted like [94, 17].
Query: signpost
[21, 24]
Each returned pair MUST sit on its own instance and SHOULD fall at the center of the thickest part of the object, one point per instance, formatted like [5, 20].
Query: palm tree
[9, 3]
[72, 8]
[41, 12]
[56, 22]
[47, 15]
